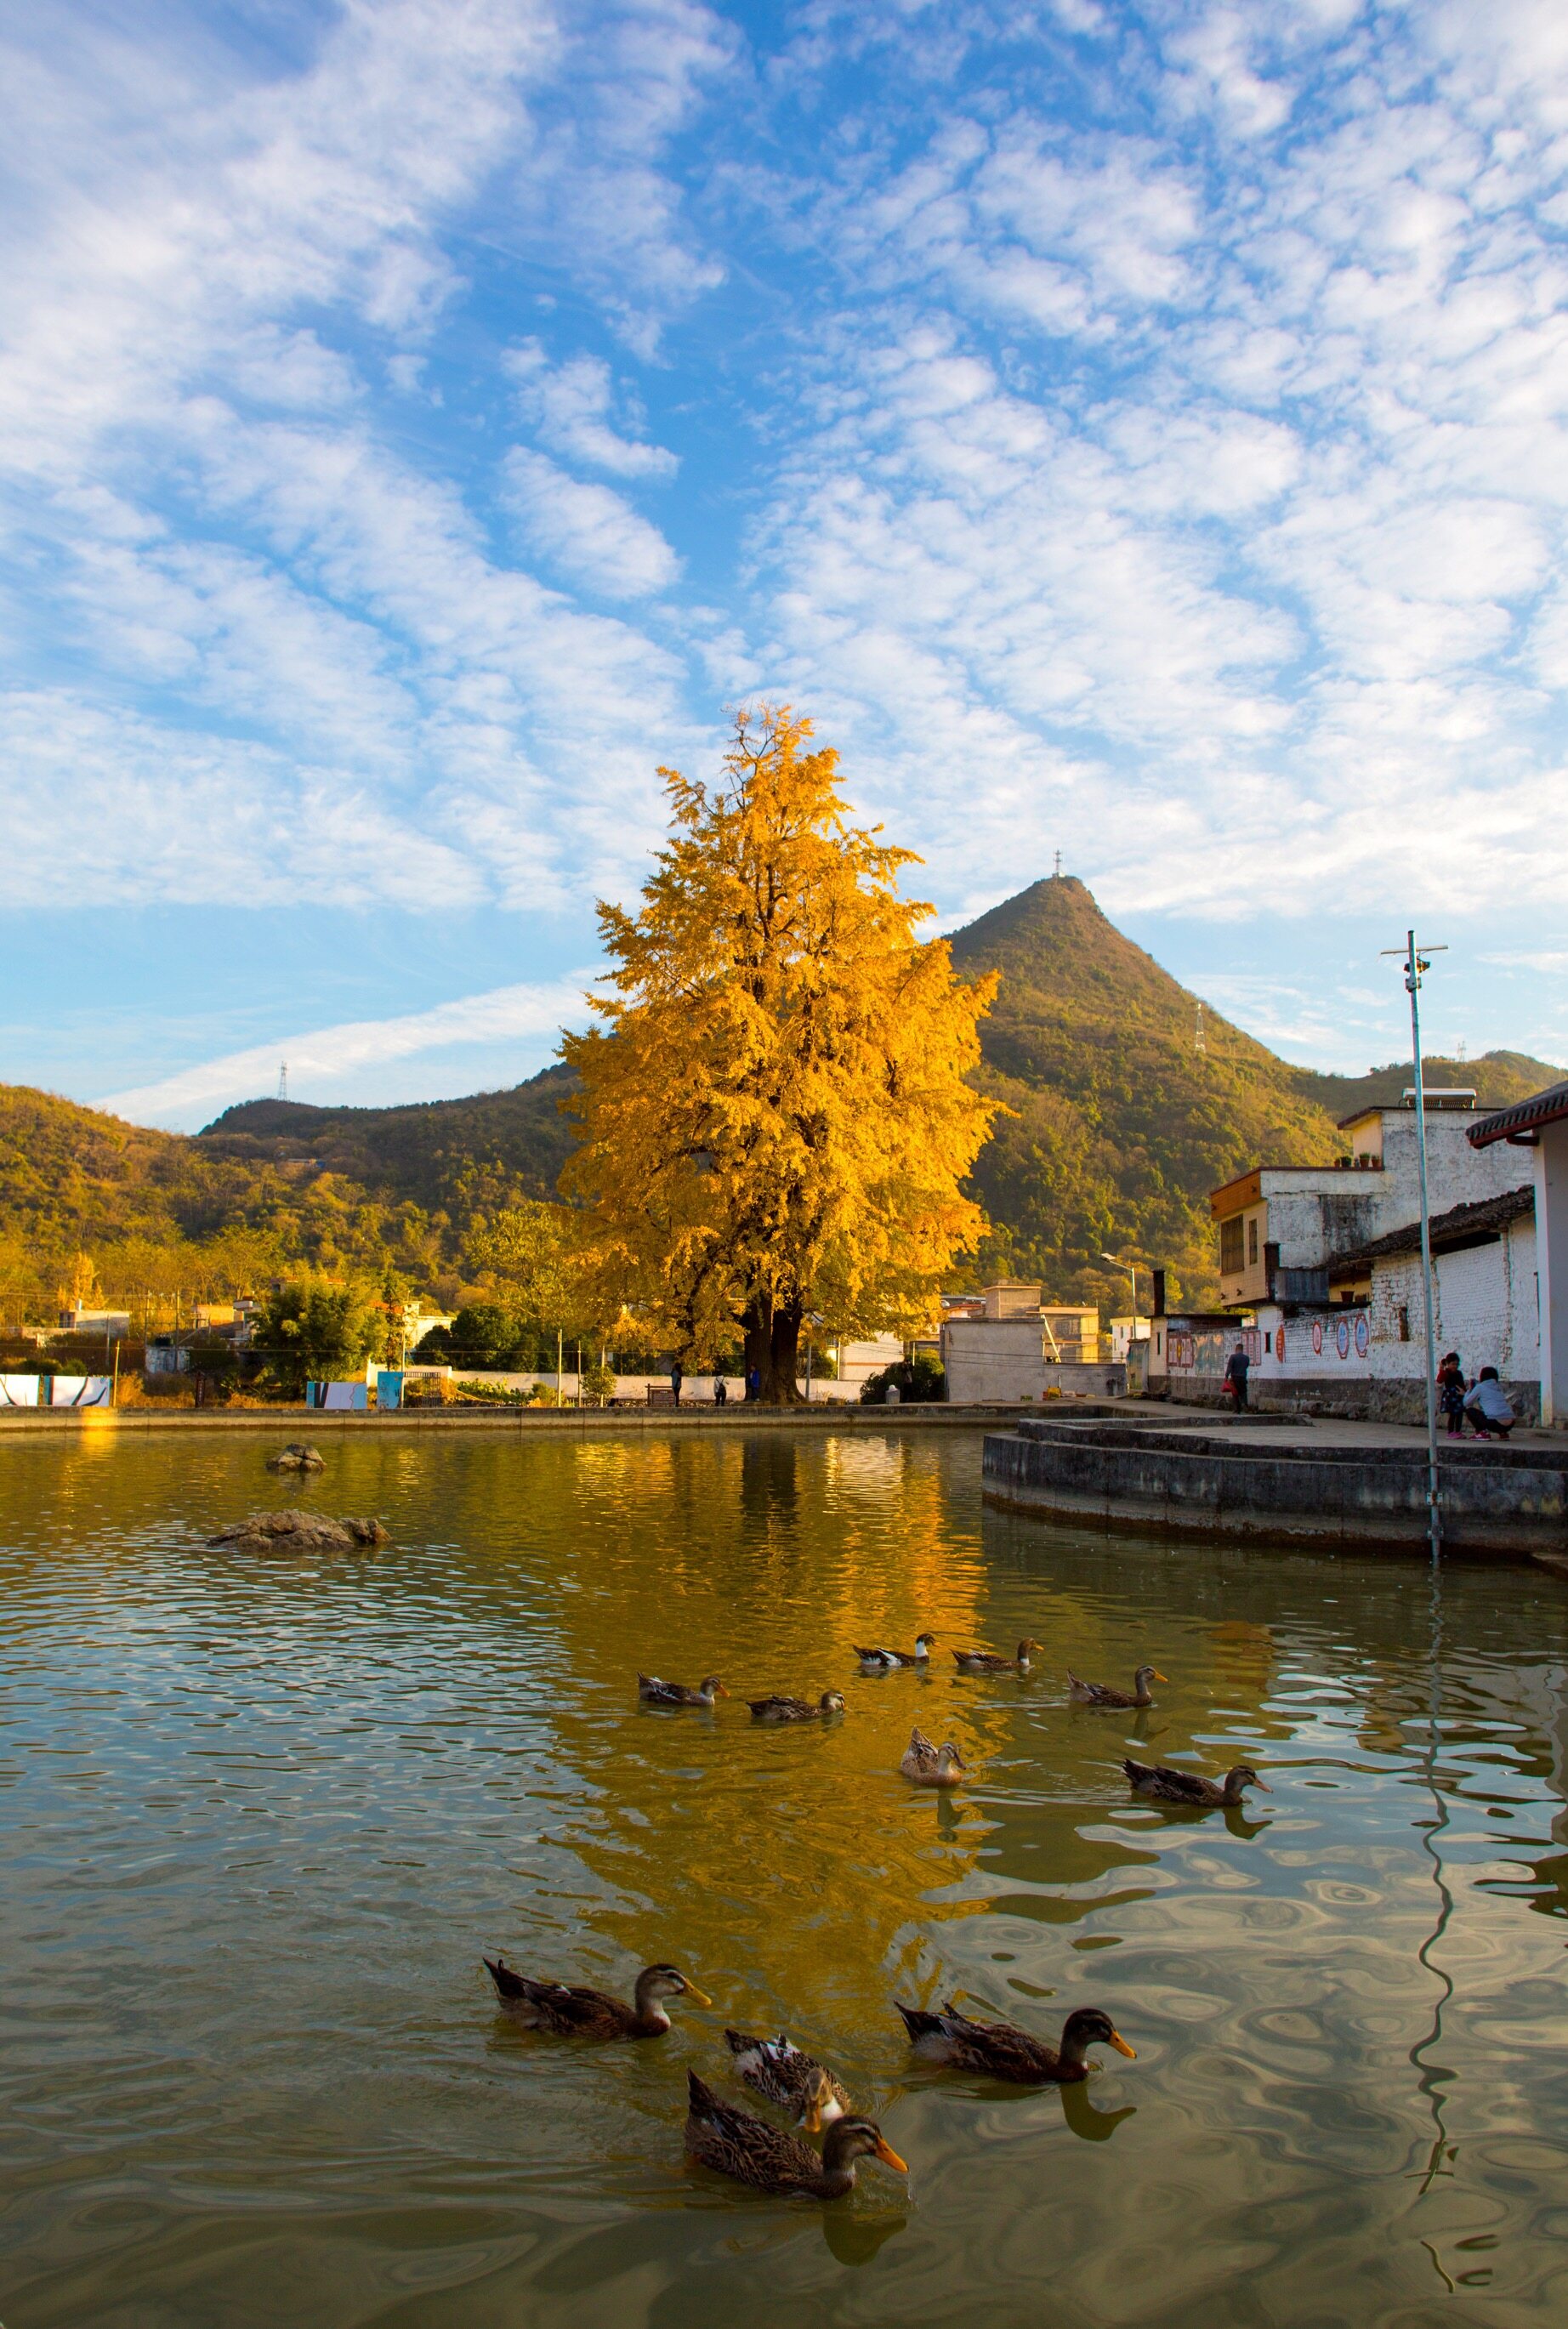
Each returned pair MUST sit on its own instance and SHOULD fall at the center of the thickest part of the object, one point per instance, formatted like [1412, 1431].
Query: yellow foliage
[774, 1119]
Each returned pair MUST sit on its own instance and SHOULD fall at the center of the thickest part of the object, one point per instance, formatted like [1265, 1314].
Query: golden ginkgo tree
[773, 1117]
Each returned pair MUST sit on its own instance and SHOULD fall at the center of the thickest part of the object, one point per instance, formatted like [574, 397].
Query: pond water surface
[260, 1818]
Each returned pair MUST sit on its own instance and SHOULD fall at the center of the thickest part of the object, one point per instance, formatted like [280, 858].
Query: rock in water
[298, 1457]
[293, 1532]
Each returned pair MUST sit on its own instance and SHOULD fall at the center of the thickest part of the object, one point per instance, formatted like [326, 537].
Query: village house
[1317, 1275]
[1539, 1127]
[1017, 1348]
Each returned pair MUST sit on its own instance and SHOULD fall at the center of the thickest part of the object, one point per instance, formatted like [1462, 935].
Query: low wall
[1498, 1501]
[1359, 1399]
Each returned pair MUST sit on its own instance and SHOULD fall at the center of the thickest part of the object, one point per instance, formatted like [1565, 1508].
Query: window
[1403, 1324]
[1230, 1247]
[1252, 1242]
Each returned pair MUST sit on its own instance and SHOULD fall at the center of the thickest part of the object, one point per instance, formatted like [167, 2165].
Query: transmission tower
[1199, 1045]
[1058, 870]
[283, 1079]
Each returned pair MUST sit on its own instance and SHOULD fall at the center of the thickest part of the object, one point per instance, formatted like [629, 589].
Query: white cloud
[589, 531]
[318, 1060]
[571, 404]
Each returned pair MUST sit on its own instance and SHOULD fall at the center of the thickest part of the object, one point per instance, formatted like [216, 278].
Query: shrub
[920, 1383]
[597, 1384]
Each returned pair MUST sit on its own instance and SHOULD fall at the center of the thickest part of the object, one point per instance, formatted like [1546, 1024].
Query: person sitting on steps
[1487, 1405]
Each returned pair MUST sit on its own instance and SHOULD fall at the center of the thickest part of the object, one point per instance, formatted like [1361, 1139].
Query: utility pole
[1415, 962]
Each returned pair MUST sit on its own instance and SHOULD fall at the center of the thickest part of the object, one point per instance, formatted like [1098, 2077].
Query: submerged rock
[293, 1532]
[298, 1457]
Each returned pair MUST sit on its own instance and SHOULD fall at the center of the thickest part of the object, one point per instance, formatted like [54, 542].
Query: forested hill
[451, 1154]
[1121, 1125]
[1127, 1113]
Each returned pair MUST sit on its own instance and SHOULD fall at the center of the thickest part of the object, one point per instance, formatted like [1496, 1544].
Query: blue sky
[1135, 430]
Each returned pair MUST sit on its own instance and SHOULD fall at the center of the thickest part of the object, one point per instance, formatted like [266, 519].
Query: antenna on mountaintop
[1058, 871]
[1199, 1045]
[283, 1079]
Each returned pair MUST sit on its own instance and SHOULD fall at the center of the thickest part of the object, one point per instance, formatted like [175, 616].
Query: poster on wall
[1363, 1337]
[1317, 1336]
[1280, 1344]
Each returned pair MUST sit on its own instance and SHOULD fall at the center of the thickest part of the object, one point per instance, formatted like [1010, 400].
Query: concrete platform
[1280, 1479]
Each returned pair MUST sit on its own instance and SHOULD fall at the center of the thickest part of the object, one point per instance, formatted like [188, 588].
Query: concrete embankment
[1276, 1484]
[521, 1422]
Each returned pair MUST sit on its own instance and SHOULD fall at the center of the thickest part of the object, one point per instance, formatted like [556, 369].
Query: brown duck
[796, 1710]
[813, 2096]
[654, 1691]
[1101, 1693]
[1164, 1785]
[988, 1661]
[738, 2143]
[572, 2013]
[1001, 2050]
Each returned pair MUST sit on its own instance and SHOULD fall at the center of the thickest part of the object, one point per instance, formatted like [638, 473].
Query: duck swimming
[988, 1661]
[572, 2012]
[655, 1693]
[1101, 1693]
[928, 1766]
[1164, 1785]
[1001, 2050]
[785, 2076]
[796, 1710]
[739, 2144]
[878, 1661]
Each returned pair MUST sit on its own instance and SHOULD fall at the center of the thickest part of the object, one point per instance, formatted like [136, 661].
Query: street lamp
[1416, 960]
[1126, 1261]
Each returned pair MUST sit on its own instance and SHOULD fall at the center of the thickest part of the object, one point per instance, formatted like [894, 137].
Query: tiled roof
[1548, 1107]
[1462, 1225]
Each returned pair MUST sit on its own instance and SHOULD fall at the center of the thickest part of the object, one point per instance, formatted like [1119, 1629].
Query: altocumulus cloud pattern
[417, 419]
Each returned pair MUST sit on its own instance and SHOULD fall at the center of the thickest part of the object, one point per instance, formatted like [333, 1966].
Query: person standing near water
[720, 1391]
[754, 1383]
[1452, 1394]
[1236, 1376]
[677, 1377]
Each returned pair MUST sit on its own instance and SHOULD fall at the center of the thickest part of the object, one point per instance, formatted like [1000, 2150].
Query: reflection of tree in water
[770, 1492]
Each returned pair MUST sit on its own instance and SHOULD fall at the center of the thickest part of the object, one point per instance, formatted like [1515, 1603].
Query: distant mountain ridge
[1120, 1125]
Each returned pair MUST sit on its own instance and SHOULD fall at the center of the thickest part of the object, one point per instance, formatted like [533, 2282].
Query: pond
[262, 1817]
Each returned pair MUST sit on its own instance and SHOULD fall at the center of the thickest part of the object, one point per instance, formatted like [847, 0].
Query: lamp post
[1415, 963]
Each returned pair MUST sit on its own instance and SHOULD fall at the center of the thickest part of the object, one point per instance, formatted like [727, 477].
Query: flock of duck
[739, 2143]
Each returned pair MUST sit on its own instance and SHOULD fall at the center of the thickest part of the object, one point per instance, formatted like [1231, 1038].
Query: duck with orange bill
[999, 2050]
[737, 2142]
[569, 2012]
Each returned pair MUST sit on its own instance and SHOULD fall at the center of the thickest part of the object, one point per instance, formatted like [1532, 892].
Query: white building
[1540, 1125]
[1019, 1349]
[1280, 1225]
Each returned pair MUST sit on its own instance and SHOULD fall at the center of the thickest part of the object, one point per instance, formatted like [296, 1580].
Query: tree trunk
[772, 1343]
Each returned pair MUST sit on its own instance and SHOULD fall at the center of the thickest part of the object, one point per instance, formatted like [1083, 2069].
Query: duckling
[928, 1766]
[1164, 1785]
[592, 2013]
[877, 1661]
[655, 1693]
[785, 2076]
[987, 1662]
[1001, 2050]
[738, 2143]
[1101, 1693]
[796, 1710]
